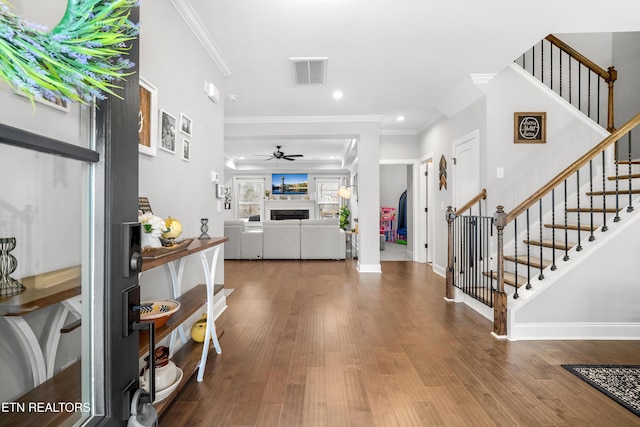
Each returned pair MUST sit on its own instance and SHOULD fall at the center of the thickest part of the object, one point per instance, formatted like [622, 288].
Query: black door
[64, 214]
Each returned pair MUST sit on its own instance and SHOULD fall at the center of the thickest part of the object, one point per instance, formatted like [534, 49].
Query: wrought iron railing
[564, 213]
[577, 79]
[469, 251]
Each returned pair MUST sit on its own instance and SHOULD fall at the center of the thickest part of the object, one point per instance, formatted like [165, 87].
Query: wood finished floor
[316, 344]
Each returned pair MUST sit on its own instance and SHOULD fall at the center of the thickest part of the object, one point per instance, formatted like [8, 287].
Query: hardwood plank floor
[314, 343]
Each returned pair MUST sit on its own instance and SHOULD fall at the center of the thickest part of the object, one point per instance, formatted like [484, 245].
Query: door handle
[131, 249]
[150, 326]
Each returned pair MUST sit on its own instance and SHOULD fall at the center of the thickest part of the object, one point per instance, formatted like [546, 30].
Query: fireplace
[278, 214]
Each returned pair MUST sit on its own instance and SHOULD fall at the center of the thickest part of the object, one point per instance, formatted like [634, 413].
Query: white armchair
[233, 230]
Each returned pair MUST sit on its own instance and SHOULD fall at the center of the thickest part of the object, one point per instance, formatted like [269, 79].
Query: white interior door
[466, 169]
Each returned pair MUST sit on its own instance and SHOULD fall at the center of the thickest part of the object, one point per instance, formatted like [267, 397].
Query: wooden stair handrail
[606, 75]
[573, 168]
[481, 196]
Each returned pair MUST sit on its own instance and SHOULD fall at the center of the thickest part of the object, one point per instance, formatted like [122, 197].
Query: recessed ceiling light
[400, 118]
[337, 94]
[232, 97]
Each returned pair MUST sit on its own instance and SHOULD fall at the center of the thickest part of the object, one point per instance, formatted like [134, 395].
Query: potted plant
[344, 217]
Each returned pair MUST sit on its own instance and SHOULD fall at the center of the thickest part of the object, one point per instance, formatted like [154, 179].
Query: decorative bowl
[165, 376]
[159, 311]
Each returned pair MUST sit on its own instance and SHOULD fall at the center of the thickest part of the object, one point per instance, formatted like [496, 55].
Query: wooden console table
[202, 248]
[64, 286]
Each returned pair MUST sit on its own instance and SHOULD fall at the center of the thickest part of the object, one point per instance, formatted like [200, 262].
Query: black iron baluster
[630, 207]
[604, 196]
[541, 276]
[570, 82]
[591, 236]
[542, 61]
[580, 88]
[515, 247]
[533, 60]
[579, 247]
[566, 225]
[551, 66]
[589, 93]
[561, 69]
[553, 230]
[598, 95]
[488, 251]
[528, 253]
[615, 149]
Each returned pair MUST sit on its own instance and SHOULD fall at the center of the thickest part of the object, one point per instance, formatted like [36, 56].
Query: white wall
[589, 301]
[626, 58]
[393, 182]
[529, 166]
[175, 62]
[437, 140]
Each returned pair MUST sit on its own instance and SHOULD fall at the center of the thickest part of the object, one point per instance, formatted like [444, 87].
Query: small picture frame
[186, 125]
[220, 190]
[186, 149]
[56, 103]
[148, 119]
[530, 128]
[167, 132]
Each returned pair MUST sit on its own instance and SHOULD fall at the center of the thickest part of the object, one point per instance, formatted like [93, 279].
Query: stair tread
[626, 162]
[613, 192]
[509, 278]
[632, 176]
[600, 210]
[583, 227]
[531, 260]
[549, 244]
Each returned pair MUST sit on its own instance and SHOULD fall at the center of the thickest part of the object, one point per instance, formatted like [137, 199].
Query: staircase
[538, 238]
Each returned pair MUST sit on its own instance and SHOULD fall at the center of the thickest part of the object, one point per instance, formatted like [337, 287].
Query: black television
[289, 183]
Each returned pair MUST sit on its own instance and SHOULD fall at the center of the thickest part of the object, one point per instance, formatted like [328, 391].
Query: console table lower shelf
[65, 386]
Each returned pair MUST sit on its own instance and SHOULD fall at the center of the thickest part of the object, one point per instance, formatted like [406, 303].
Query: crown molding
[429, 122]
[482, 78]
[196, 26]
[399, 132]
[302, 119]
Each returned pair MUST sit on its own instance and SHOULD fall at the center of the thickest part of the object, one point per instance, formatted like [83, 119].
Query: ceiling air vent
[309, 71]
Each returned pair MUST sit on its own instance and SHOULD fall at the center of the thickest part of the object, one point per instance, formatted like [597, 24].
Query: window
[327, 196]
[250, 192]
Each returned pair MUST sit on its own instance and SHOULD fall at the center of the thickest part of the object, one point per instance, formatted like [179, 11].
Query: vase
[147, 240]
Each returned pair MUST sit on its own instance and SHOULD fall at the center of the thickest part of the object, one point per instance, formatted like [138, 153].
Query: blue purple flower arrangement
[82, 58]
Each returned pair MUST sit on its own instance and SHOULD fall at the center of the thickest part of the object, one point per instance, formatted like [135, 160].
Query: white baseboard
[575, 331]
[369, 268]
[439, 270]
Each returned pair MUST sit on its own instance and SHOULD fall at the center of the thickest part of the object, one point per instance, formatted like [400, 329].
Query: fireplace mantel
[309, 205]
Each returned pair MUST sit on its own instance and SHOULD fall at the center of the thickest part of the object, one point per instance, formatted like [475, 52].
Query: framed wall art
[167, 132]
[186, 125]
[57, 103]
[186, 149]
[148, 119]
[529, 128]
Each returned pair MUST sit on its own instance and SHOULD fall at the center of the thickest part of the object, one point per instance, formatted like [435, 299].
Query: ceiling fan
[280, 155]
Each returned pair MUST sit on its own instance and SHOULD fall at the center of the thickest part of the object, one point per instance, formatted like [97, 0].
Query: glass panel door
[47, 285]
[68, 183]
